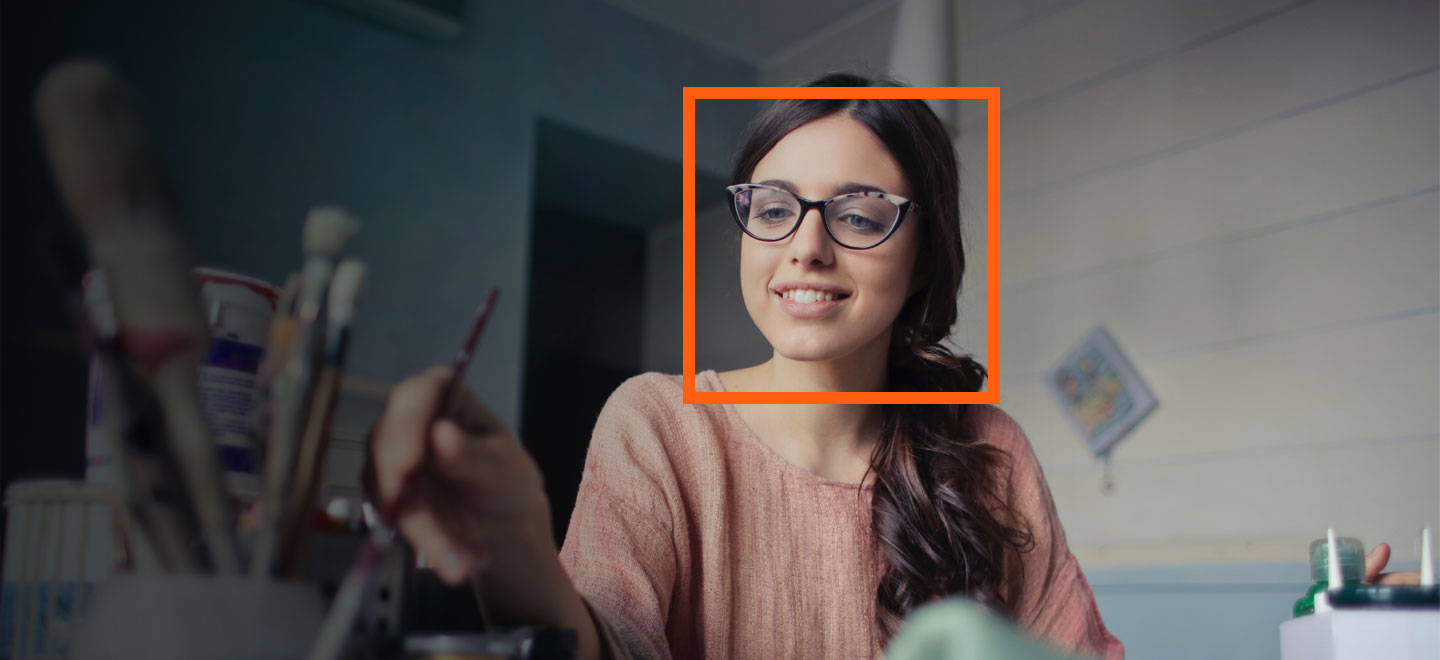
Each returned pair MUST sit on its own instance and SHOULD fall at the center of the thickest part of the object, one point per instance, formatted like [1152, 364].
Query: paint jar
[183, 617]
[59, 543]
[1352, 569]
[237, 309]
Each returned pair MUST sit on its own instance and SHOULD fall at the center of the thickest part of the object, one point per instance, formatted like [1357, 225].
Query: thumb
[448, 441]
[1375, 562]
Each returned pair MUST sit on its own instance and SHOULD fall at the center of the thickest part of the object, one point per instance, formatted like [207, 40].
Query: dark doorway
[595, 201]
[583, 340]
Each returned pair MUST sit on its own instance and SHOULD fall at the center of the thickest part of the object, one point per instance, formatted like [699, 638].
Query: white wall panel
[1368, 148]
[1335, 48]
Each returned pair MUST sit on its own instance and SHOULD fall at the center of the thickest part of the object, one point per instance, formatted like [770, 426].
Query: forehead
[826, 154]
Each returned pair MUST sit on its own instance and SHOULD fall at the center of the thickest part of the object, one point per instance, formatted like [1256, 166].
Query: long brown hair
[939, 512]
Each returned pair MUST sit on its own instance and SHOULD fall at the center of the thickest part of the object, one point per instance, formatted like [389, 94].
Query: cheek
[754, 274]
[888, 283]
[894, 273]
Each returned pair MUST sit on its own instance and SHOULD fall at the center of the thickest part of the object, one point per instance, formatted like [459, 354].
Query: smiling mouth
[811, 296]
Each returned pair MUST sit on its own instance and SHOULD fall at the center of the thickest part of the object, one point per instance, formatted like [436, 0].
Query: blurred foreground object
[1351, 564]
[958, 629]
[184, 617]
[59, 543]
[1348, 620]
[238, 309]
[109, 176]
[166, 392]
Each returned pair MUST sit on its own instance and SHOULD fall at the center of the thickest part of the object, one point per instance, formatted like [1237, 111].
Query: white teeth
[807, 296]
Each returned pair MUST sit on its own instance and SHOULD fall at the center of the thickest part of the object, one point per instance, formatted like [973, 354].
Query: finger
[448, 440]
[1399, 578]
[399, 438]
[446, 555]
[467, 458]
[1375, 562]
[459, 458]
[465, 409]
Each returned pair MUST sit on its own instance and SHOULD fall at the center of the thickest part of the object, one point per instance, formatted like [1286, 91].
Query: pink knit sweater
[692, 539]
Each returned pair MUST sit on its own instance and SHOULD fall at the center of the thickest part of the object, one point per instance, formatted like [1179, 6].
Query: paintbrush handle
[285, 395]
[309, 466]
[147, 479]
[447, 392]
[109, 176]
[290, 400]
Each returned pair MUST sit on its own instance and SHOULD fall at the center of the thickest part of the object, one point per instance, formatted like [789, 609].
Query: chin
[807, 349]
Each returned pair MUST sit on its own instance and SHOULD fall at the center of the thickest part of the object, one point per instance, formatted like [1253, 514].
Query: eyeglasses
[859, 220]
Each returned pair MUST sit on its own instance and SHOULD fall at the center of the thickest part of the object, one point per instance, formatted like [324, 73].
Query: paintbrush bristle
[345, 289]
[327, 231]
[96, 142]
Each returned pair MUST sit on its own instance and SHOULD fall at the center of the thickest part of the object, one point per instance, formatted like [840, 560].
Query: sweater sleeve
[619, 549]
[1055, 602]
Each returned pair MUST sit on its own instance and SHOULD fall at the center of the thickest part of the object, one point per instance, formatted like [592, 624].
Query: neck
[833, 440]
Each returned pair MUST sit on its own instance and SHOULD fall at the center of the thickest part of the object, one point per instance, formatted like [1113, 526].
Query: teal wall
[266, 108]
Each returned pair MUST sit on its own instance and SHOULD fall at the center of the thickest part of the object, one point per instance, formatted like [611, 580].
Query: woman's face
[820, 160]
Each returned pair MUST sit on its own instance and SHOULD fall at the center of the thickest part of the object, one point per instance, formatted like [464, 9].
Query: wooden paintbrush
[277, 348]
[147, 476]
[328, 230]
[281, 333]
[158, 525]
[109, 177]
[296, 521]
[330, 643]
[457, 372]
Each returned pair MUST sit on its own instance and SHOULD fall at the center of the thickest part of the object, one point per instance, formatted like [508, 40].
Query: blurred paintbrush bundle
[168, 469]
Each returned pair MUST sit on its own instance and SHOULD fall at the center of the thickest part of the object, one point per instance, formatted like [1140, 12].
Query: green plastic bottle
[1352, 569]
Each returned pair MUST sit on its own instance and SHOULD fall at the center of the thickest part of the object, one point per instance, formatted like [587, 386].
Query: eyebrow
[842, 189]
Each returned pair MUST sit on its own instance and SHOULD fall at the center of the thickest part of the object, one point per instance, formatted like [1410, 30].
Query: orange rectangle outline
[991, 95]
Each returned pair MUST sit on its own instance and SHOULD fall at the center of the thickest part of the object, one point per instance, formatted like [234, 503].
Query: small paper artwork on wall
[1100, 391]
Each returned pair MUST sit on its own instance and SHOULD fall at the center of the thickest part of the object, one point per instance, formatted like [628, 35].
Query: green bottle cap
[1352, 559]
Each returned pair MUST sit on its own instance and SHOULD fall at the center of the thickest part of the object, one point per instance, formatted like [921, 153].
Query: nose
[810, 245]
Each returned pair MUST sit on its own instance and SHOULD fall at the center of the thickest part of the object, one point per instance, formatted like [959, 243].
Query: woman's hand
[477, 504]
[1375, 562]
[475, 492]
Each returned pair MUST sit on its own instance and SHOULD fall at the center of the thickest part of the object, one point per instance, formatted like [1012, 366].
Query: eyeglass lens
[855, 221]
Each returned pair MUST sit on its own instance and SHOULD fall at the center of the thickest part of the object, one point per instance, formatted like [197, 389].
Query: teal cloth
[959, 629]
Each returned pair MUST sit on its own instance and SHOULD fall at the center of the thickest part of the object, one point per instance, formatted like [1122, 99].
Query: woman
[757, 531]
[767, 531]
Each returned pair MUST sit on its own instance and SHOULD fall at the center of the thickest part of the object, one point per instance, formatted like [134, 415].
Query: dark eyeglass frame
[902, 203]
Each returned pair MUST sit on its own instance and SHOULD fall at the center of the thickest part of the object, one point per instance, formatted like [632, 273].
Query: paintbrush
[344, 297]
[157, 527]
[147, 476]
[109, 177]
[280, 334]
[328, 230]
[330, 643]
[277, 347]
[390, 512]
